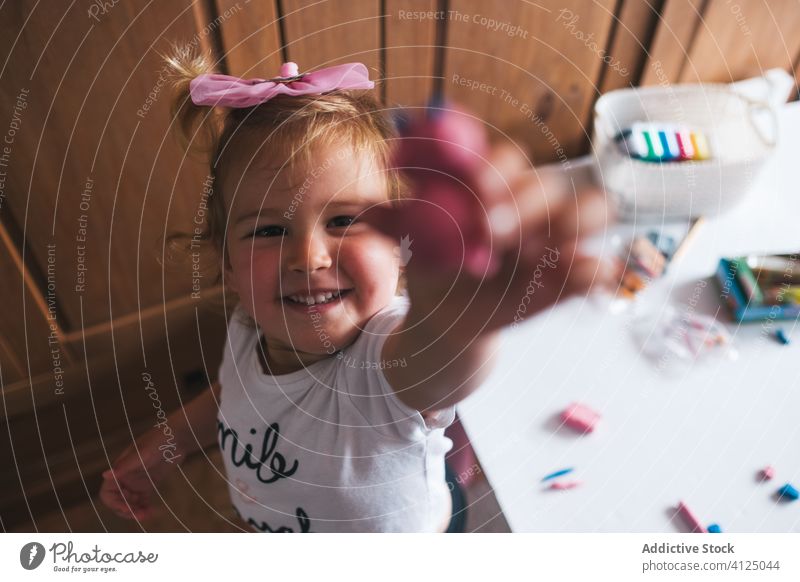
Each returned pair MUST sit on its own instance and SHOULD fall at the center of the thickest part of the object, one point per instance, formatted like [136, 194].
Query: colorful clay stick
[564, 485]
[776, 269]
[781, 336]
[647, 257]
[788, 493]
[580, 417]
[655, 150]
[747, 281]
[686, 242]
[638, 144]
[766, 473]
[669, 142]
[631, 145]
[631, 284]
[663, 142]
[701, 333]
[781, 294]
[690, 519]
[558, 473]
[714, 528]
[641, 143]
[701, 150]
[664, 243]
[685, 144]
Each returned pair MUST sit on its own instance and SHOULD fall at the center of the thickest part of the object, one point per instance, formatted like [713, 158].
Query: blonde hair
[285, 125]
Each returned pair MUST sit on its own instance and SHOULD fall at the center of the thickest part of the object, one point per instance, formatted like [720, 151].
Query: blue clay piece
[787, 492]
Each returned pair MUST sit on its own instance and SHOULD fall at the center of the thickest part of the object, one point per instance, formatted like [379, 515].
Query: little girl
[342, 364]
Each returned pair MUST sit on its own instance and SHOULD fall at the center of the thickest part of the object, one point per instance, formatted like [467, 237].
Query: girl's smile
[317, 299]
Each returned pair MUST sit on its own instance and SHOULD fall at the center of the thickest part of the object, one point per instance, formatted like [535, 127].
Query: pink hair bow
[227, 91]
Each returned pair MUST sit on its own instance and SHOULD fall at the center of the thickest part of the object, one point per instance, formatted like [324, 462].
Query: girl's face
[304, 266]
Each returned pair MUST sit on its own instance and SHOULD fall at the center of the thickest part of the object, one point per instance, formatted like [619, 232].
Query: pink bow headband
[227, 91]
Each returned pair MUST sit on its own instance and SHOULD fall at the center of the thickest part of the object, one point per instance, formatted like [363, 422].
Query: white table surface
[699, 435]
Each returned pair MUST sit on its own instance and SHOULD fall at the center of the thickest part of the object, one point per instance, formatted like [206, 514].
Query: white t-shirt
[330, 448]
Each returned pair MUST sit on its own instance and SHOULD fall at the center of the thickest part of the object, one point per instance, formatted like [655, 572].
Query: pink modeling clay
[767, 473]
[690, 518]
[564, 485]
[580, 417]
[438, 153]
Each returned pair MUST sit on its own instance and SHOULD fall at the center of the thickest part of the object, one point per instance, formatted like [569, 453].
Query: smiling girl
[342, 366]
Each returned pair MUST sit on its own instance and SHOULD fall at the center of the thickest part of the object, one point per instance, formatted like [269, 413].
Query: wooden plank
[148, 334]
[741, 40]
[94, 168]
[11, 367]
[410, 50]
[680, 20]
[638, 21]
[31, 340]
[251, 38]
[321, 33]
[528, 69]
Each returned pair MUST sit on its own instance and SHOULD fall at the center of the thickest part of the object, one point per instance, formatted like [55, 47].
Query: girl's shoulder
[362, 378]
[242, 331]
[391, 314]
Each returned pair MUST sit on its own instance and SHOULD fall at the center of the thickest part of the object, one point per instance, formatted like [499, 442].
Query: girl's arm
[451, 331]
[442, 374]
[128, 487]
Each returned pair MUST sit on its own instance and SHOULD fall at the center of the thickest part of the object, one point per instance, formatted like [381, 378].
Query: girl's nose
[309, 253]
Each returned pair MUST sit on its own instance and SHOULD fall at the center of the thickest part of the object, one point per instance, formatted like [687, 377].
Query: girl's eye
[268, 231]
[342, 221]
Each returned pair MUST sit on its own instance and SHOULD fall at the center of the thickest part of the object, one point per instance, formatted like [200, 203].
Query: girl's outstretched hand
[514, 233]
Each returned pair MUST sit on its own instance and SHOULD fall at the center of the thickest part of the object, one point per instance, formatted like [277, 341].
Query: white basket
[742, 134]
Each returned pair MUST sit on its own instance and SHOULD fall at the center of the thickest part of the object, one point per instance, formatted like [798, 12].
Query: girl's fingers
[537, 199]
[116, 503]
[589, 212]
[123, 501]
[494, 183]
[145, 512]
[107, 496]
[587, 274]
[503, 164]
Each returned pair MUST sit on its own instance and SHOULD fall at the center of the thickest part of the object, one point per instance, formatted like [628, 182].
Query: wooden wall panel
[31, 339]
[324, 33]
[410, 50]
[740, 40]
[30, 335]
[251, 38]
[633, 34]
[680, 20]
[94, 169]
[539, 67]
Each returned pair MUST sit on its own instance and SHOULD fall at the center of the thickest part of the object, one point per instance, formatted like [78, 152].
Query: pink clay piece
[580, 417]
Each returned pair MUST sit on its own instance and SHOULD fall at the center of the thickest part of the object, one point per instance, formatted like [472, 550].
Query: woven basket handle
[753, 108]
